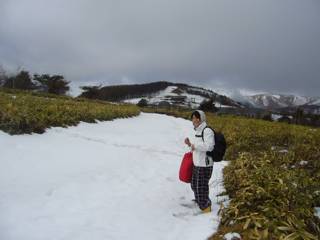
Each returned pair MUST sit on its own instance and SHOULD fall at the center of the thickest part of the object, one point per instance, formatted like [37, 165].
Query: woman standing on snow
[202, 170]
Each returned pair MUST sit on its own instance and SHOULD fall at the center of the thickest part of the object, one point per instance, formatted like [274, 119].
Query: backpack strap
[201, 136]
[203, 132]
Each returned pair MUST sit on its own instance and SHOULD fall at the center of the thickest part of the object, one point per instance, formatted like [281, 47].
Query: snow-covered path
[110, 180]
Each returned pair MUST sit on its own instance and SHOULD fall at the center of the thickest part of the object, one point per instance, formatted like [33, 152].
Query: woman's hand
[187, 141]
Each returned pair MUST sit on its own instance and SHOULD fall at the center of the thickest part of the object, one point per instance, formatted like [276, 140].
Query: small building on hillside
[164, 104]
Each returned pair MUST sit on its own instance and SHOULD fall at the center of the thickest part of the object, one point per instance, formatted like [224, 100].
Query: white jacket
[200, 158]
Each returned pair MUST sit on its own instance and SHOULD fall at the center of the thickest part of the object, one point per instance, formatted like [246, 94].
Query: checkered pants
[200, 185]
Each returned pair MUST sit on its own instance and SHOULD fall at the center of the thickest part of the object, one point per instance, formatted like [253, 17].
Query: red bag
[185, 173]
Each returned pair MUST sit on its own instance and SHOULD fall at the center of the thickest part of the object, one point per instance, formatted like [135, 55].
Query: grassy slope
[26, 112]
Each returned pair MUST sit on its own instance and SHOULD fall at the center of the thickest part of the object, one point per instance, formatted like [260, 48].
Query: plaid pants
[200, 185]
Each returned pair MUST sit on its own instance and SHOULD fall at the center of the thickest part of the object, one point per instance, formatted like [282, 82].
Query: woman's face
[195, 121]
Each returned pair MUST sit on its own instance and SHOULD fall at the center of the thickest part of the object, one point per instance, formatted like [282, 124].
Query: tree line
[122, 92]
[55, 84]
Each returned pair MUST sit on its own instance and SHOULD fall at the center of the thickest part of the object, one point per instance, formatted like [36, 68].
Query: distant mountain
[315, 102]
[179, 94]
[161, 92]
[281, 102]
[277, 101]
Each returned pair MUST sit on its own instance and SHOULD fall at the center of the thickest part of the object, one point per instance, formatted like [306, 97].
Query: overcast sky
[252, 45]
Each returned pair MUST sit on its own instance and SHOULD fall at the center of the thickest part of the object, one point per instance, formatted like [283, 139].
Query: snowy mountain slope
[280, 101]
[186, 96]
[110, 180]
[172, 97]
[315, 102]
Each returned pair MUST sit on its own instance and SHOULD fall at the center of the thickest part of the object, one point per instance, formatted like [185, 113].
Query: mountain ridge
[181, 94]
[157, 92]
[282, 100]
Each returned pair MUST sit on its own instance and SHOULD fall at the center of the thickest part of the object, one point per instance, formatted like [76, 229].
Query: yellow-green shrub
[26, 112]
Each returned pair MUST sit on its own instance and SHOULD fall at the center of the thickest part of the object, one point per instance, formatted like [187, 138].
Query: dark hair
[196, 114]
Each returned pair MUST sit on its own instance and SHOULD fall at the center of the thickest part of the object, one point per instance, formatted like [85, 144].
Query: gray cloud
[268, 45]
